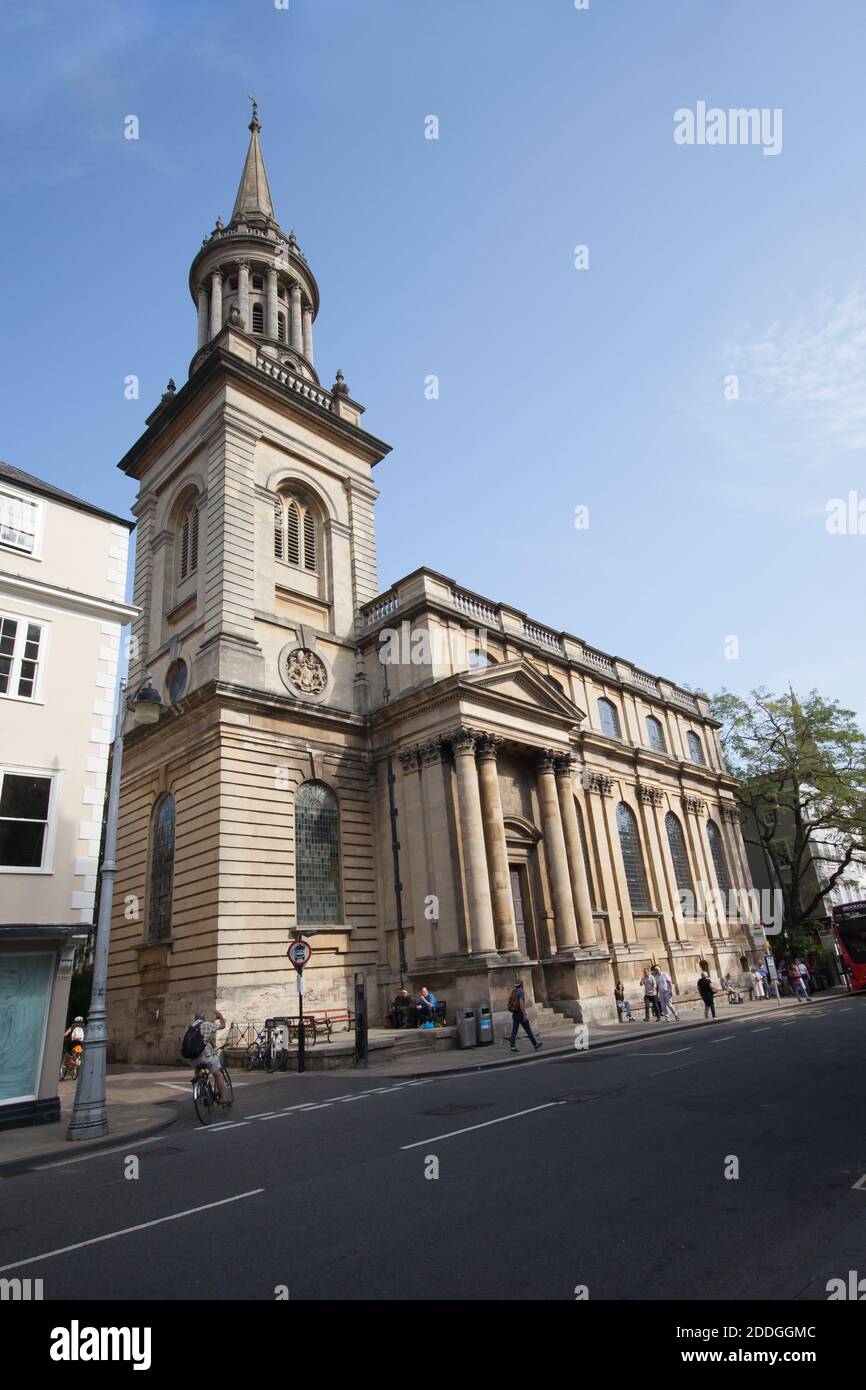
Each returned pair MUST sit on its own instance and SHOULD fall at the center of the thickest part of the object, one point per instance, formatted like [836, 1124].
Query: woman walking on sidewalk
[706, 991]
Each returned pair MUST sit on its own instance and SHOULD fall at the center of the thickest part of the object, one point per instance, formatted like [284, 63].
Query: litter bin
[483, 1025]
[466, 1028]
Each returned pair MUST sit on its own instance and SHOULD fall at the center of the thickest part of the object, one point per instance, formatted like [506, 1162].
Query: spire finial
[254, 123]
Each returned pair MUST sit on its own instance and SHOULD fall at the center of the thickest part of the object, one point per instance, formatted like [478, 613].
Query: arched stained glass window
[679, 855]
[696, 752]
[317, 856]
[717, 850]
[632, 858]
[655, 734]
[162, 829]
[608, 718]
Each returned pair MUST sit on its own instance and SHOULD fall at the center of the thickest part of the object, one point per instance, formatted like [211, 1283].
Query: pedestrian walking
[622, 1004]
[706, 991]
[665, 989]
[650, 996]
[758, 983]
[519, 1017]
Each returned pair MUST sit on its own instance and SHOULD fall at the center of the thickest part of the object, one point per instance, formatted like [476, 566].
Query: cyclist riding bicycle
[75, 1034]
[205, 1056]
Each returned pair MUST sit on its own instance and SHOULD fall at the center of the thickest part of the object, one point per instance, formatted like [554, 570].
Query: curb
[15, 1166]
[565, 1050]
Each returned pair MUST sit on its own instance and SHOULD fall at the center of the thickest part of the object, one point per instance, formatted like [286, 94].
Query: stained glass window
[655, 734]
[679, 854]
[317, 855]
[609, 719]
[161, 869]
[632, 858]
[718, 852]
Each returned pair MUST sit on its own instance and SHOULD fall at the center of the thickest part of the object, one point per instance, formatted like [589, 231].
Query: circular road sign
[299, 954]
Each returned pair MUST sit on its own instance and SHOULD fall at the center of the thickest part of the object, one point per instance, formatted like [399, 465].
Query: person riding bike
[75, 1034]
[207, 1057]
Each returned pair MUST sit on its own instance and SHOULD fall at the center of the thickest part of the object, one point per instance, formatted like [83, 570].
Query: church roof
[254, 194]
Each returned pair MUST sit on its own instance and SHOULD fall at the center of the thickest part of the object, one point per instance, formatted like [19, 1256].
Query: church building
[439, 789]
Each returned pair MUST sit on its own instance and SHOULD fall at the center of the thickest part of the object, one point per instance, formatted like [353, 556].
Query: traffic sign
[299, 954]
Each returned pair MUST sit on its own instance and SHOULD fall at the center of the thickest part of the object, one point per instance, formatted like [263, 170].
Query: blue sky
[558, 387]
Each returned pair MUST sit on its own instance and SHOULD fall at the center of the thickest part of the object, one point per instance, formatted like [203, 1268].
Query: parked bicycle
[205, 1095]
[257, 1053]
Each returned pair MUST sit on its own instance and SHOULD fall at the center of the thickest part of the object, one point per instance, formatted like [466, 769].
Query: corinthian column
[244, 293]
[272, 329]
[574, 851]
[564, 920]
[481, 931]
[216, 303]
[201, 295]
[297, 330]
[497, 849]
[308, 333]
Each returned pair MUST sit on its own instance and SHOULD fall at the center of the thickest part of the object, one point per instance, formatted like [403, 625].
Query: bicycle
[205, 1096]
[257, 1054]
[71, 1063]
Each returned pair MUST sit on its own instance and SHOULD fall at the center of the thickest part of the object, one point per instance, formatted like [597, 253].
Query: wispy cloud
[814, 370]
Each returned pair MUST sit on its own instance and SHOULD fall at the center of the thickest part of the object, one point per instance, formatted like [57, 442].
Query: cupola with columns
[252, 277]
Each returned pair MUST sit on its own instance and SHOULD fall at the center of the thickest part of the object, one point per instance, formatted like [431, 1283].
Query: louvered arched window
[608, 718]
[679, 855]
[696, 752]
[717, 850]
[281, 327]
[188, 540]
[655, 734]
[258, 318]
[317, 856]
[162, 827]
[632, 858]
[296, 538]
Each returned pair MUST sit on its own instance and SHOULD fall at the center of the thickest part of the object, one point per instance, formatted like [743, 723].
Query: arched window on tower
[608, 718]
[296, 538]
[188, 540]
[679, 856]
[258, 319]
[632, 858]
[717, 850]
[696, 752]
[162, 828]
[318, 888]
[281, 327]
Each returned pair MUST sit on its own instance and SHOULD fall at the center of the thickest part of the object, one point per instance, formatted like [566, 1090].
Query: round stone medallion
[305, 672]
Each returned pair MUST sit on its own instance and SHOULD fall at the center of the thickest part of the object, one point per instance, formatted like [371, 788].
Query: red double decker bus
[849, 926]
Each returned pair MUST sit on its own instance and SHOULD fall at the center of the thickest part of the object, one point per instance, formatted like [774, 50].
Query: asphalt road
[602, 1169]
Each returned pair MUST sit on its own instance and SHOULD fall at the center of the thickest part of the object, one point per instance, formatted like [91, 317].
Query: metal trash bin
[466, 1028]
[483, 1025]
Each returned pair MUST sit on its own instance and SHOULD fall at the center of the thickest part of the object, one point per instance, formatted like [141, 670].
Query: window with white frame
[19, 521]
[22, 652]
[26, 812]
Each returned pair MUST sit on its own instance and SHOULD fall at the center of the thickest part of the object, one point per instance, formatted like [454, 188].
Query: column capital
[597, 782]
[462, 741]
[695, 805]
[563, 764]
[216, 274]
[295, 291]
[730, 813]
[410, 759]
[243, 262]
[489, 745]
[545, 759]
[431, 753]
[653, 796]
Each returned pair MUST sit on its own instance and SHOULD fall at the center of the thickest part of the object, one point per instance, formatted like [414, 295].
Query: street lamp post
[89, 1119]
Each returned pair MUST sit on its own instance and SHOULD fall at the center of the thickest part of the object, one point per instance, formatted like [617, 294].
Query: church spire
[253, 203]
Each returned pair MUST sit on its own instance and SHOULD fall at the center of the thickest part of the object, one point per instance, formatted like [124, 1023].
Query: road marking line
[790, 1023]
[726, 1038]
[219, 1129]
[437, 1139]
[278, 1115]
[765, 1029]
[263, 1115]
[859, 1185]
[322, 1106]
[172, 1085]
[695, 1062]
[672, 1053]
[130, 1230]
[98, 1153]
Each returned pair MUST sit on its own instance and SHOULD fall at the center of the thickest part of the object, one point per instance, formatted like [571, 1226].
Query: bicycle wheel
[202, 1098]
[227, 1082]
[252, 1057]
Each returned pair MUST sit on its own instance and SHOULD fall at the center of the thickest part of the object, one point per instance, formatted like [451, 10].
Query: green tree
[802, 769]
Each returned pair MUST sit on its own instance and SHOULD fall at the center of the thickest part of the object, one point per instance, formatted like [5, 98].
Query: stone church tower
[255, 551]
[444, 790]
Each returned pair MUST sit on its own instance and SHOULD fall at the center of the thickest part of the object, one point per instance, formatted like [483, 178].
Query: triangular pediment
[523, 683]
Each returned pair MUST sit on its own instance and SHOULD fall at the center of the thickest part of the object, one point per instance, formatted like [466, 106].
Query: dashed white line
[437, 1138]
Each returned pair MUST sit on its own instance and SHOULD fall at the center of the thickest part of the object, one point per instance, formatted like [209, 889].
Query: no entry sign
[299, 954]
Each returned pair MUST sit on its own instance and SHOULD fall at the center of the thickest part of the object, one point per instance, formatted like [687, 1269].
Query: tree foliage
[801, 763]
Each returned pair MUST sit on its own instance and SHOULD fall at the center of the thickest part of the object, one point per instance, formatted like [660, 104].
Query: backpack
[513, 1002]
[193, 1043]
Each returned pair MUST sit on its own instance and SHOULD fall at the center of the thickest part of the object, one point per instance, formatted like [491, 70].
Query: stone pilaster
[574, 851]
[482, 935]
[564, 920]
[441, 856]
[216, 303]
[497, 849]
[413, 845]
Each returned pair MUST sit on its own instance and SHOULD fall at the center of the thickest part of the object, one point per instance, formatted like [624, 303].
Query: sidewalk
[134, 1111]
